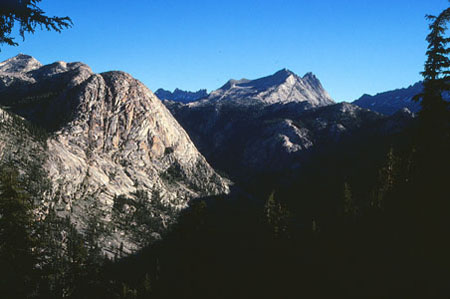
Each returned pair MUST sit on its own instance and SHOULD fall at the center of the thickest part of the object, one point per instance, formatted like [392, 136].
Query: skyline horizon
[224, 83]
[355, 48]
[251, 79]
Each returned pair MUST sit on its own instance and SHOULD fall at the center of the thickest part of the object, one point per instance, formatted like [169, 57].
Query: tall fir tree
[277, 216]
[435, 113]
[17, 241]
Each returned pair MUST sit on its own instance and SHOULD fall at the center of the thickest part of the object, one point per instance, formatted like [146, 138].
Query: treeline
[10, 121]
[369, 220]
[386, 240]
[41, 257]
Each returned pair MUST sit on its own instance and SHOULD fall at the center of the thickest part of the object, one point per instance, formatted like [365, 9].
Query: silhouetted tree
[434, 113]
[28, 15]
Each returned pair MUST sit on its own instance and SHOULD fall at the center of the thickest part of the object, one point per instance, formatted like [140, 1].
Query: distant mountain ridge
[281, 87]
[390, 102]
[181, 96]
[271, 125]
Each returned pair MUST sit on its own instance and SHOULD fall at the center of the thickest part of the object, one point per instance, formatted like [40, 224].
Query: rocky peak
[286, 72]
[310, 77]
[40, 94]
[182, 96]
[19, 64]
[232, 83]
[277, 78]
[281, 87]
[116, 149]
[58, 68]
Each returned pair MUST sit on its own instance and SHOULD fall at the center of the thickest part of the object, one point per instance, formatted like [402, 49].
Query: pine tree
[349, 206]
[277, 216]
[17, 242]
[315, 228]
[62, 257]
[28, 15]
[146, 286]
[434, 135]
[435, 114]
[387, 178]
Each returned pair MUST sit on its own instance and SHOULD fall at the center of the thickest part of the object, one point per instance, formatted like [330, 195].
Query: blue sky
[353, 46]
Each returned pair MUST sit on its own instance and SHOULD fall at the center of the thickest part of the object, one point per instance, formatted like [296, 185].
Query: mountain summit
[282, 87]
[19, 64]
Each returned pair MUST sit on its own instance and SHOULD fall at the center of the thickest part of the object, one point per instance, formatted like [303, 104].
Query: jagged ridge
[282, 87]
[181, 96]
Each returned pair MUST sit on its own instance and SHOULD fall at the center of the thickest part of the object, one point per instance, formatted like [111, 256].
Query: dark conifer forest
[369, 218]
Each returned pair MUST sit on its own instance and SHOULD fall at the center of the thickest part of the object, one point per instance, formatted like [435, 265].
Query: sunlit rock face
[114, 149]
[19, 64]
[280, 88]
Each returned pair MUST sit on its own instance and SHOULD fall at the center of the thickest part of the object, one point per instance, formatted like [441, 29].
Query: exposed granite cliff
[114, 149]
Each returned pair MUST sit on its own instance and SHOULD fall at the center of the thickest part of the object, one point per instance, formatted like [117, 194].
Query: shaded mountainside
[24, 146]
[180, 95]
[390, 102]
[115, 151]
[248, 141]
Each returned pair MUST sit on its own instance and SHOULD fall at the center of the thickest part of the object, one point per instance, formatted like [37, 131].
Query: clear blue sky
[353, 46]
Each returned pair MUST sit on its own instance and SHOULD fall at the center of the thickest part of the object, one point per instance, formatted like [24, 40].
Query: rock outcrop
[114, 149]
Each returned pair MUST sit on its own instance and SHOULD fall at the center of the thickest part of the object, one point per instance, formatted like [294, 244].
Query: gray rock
[282, 87]
[19, 64]
[112, 139]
